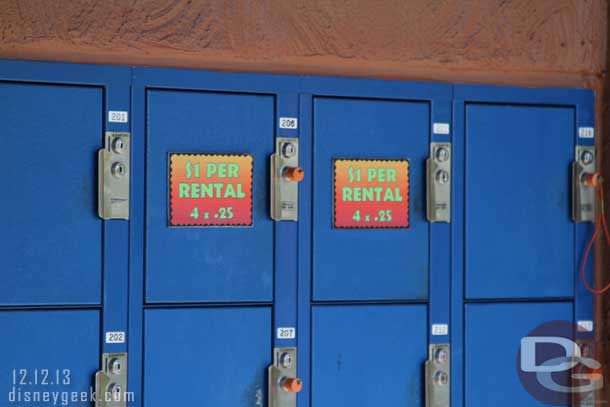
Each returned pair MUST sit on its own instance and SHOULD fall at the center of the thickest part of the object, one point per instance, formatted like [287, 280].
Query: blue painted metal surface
[491, 347]
[40, 353]
[519, 236]
[52, 237]
[211, 356]
[506, 323]
[360, 355]
[64, 271]
[208, 264]
[381, 264]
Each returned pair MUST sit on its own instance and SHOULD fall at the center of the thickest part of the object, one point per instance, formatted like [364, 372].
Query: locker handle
[291, 384]
[294, 174]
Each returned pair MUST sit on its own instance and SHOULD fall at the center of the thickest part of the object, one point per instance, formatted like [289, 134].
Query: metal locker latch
[285, 177]
[111, 381]
[283, 381]
[437, 370]
[113, 176]
[583, 195]
[438, 188]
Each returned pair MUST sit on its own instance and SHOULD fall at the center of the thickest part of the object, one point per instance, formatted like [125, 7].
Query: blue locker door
[48, 351]
[51, 236]
[369, 312]
[519, 235]
[210, 263]
[207, 357]
[369, 264]
[517, 249]
[491, 351]
[207, 309]
[368, 355]
[53, 246]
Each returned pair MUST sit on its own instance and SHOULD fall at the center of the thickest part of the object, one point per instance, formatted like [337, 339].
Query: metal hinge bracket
[283, 382]
[583, 196]
[113, 176]
[285, 177]
[438, 184]
[111, 381]
[437, 370]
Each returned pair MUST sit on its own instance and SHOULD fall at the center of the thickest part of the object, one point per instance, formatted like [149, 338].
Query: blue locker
[207, 313]
[208, 264]
[240, 293]
[63, 269]
[48, 351]
[211, 356]
[492, 345]
[383, 264]
[53, 238]
[519, 238]
[517, 250]
[370, 363]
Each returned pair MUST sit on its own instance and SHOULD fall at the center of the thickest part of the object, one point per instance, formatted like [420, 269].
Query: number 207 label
[286, 333]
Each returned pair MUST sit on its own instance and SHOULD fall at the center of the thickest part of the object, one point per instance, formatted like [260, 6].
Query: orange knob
[592, 179]
[292, 384]
[295, 174]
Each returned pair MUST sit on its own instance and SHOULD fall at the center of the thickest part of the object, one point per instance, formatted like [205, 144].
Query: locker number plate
[286, 333]
[115, 337]
[371, 194]
[210, 190]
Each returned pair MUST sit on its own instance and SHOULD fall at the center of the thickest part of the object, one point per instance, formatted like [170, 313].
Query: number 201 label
[117, 116]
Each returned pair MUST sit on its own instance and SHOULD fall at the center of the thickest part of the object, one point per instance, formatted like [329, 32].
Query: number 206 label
[289, 123]
[286, 333]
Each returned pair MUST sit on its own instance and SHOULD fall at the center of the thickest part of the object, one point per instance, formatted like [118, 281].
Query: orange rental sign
[371, 194]
[210, 190]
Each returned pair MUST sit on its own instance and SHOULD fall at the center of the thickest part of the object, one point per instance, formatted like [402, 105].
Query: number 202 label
[115, 337]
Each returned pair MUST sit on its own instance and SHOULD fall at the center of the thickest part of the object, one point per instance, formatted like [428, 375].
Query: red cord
[601, 221]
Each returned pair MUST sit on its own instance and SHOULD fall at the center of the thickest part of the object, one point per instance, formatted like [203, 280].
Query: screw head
[587, 157]
[442, 177]
[118, 169]
[118, 145]
[442, 154]
[286, 360]
[441, 378]
[115, 366]
[289, 150]
[441, 356]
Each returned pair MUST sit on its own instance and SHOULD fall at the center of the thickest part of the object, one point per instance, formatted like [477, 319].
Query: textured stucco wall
[549, 41]
[521, 42]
